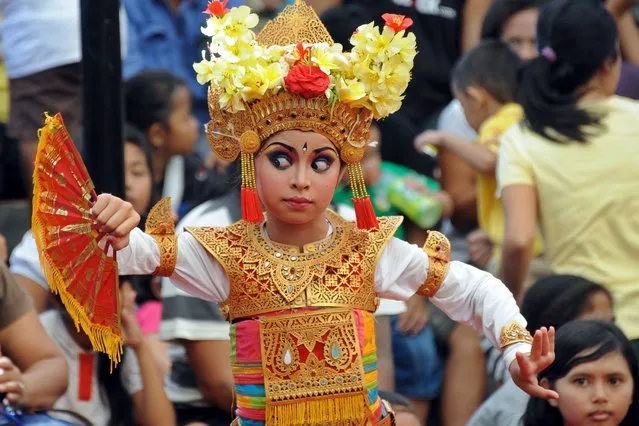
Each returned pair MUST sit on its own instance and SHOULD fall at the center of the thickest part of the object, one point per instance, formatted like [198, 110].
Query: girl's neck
[593, 94]
[159, 162]
[297, 235]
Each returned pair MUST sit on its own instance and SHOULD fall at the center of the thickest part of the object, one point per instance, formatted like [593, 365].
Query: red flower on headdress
[397, 22]
[307, 81]
[216, 8]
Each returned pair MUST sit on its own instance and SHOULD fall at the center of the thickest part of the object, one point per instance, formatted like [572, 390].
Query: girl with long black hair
[595, 373]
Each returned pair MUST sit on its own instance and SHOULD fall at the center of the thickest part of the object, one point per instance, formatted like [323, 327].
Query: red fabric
[247, 342]
[251, 207]
[65, 233]
[86, 376]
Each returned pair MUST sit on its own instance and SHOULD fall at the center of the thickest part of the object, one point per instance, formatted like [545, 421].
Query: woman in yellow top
[574, 162]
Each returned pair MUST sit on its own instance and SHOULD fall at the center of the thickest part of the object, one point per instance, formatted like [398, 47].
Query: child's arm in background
[151, 406]
[478, 156]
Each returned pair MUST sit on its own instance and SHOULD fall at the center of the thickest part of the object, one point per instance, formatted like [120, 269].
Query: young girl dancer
[299, 284]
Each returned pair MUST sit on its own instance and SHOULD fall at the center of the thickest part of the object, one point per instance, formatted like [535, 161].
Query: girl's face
[137, 178]
[599, 308]
[182, 125]
[520, 31]
[596, 393]
[297, 173]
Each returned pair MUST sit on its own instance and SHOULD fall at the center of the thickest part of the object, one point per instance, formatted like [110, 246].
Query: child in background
[138, 182]
[397, 190]
[404, 413]
[595, 374]
[551, 301]
[133, 393]
[485, 82]
[160, 106]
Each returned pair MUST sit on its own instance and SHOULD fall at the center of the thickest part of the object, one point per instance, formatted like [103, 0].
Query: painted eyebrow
[292, 150]
[324, 148]
[283, 145]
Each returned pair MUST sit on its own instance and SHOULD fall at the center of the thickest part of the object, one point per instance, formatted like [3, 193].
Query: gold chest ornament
[264, 277]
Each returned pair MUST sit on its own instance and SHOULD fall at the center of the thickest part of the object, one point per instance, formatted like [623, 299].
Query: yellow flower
[204, 70]
[259, 79]
[327, 57]
[350, 90]
[239, 52]
[363, 35]
[232, 101]
[232, 27]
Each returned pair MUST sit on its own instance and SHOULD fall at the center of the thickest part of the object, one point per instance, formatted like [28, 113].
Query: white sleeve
[467, 294]
[25, 261]
[196, 272]
[401, 269]
[477, 298]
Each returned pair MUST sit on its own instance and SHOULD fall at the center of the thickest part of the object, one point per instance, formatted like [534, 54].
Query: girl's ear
[476, 94]
[156, 135]
[545, 383]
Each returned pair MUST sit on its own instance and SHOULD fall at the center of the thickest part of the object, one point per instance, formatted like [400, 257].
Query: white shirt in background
[95, 408]
[38, 35]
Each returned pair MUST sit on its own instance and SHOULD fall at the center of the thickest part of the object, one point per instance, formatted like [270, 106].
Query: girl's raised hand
[116, 218]
[525, 369]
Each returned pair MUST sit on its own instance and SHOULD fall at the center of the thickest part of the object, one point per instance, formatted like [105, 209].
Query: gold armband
[512, 333]
[437, 248]
[161, 226]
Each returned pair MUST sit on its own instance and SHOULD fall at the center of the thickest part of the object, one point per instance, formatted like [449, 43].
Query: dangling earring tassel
[364, 212]
[251, 207]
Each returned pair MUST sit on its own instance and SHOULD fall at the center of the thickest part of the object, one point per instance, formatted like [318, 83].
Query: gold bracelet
[168, 254]
[512, 333]
[437, 248]
[160, 225]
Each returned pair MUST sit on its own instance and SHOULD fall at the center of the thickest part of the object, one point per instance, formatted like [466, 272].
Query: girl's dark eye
[321, 164]
[280, 160]
[581, 381]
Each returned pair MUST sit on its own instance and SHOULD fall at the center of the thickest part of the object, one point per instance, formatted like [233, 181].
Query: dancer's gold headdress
[292, 76]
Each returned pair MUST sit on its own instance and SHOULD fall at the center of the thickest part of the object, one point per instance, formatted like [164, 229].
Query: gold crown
[297, 23]
[347, 128]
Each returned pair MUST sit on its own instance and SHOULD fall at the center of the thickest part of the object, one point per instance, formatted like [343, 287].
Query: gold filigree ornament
[161, 226]
[437, 248]
[268, 277]
[292, 76]
[512, 333]
[320, 385]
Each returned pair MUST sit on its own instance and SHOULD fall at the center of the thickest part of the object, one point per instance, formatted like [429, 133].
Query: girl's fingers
[544, 342]
[118, 218]
[100, 204]
[127, 226]
[524, 365]
[551, 341]
[536, 346]
[109, 210]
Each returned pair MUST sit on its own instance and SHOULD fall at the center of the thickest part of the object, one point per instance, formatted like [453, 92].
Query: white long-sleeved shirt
[467, 294]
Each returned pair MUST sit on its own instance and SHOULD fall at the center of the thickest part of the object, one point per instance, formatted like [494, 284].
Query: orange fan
[76, 267]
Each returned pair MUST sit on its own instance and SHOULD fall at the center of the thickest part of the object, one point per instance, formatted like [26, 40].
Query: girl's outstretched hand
[116, 218]
[525, 368]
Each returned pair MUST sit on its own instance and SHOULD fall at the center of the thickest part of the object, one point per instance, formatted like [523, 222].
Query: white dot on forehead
[305, 147]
